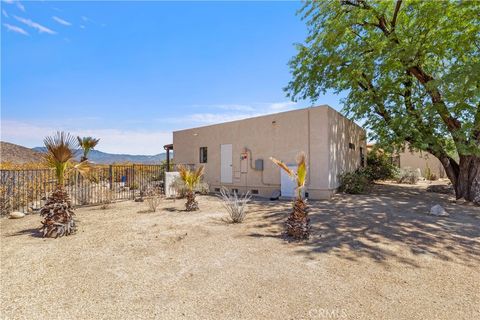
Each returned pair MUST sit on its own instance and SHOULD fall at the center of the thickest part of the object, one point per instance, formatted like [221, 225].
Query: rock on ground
[439, 211]
[17, 215]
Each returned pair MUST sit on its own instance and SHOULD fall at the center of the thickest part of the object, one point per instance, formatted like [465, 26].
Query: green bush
[358, 181]
[408, 176]
[429, 175]
[381, 167]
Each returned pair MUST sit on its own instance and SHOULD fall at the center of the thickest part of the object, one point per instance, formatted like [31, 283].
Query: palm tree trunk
[58, 215]
[192, 204]
[298, 224]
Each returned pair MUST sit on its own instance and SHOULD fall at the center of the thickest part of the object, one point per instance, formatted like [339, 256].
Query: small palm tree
[298, 223]
[87, 144]
[191, 178]
[57, 211]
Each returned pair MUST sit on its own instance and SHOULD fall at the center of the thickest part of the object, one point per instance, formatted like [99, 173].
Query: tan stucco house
[236, 154]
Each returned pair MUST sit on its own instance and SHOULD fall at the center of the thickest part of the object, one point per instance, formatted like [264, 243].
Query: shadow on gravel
[372, 225]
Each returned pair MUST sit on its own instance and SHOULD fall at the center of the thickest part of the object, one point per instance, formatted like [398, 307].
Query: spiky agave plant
[298, 223]
[191, 178]
[87, 144]
[57, 211]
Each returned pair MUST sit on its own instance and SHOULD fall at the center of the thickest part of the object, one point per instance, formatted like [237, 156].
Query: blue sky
[130, 73]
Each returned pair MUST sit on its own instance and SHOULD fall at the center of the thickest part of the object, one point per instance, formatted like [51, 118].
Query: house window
[351, 146]
[203, 154]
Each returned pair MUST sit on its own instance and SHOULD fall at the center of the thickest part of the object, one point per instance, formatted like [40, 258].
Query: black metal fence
[26, 190]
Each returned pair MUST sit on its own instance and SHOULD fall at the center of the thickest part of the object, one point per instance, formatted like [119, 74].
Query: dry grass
[373, 256]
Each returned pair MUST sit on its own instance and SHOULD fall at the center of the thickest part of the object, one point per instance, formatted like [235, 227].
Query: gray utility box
[259, 164]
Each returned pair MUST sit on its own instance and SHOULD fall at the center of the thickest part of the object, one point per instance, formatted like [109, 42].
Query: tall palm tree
[87, 144]
[298, 223]
[57, 211]
[191, 178]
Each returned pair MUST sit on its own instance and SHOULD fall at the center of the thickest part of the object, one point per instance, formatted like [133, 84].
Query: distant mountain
[16, 154]
[108, 158]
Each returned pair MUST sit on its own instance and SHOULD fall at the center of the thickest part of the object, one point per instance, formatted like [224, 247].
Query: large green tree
[411, 70]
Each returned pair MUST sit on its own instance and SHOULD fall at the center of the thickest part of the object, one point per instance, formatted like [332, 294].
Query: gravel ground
[376, 256]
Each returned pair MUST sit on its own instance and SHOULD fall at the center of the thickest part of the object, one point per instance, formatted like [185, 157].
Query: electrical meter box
[259, 164]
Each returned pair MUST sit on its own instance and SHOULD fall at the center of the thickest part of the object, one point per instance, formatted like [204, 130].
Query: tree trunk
[467, 184]
[465, 176]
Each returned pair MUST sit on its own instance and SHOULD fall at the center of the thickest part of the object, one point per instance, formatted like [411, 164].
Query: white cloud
[34, 25]
[112, 140]
[234, 107]
[15, 29]
[20, 6]
[82, 26]
[5, 14]
[281, 106]
[232, 112]
[61, 21]
[9, 1]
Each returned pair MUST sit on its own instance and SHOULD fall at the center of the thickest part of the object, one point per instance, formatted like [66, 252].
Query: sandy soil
[376, 256]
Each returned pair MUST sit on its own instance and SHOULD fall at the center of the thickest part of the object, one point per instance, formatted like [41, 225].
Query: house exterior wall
[280, 135]
[420, 160]
[346, 142]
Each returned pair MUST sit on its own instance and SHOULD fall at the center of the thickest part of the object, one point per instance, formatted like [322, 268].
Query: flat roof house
[236, 154]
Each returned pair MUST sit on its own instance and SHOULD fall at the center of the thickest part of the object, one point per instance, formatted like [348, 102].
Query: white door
[226, 163]
[287, 184]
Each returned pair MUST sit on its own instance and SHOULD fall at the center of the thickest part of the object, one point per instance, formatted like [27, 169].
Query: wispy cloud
[61, 21]
[15, 29]
[232, 112]
[20, 6]
[34, 25]
[281, 106]
[5, 14]
[112, 140]
[226, 107]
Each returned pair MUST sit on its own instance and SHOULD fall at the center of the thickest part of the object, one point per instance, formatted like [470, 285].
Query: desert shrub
[179, 186]
[236, 205]
[153, 199]
[202, 188]
[380, 166]
[106, 196]
[408, 176]
[181, 189]
[429, 175]
[355, 182]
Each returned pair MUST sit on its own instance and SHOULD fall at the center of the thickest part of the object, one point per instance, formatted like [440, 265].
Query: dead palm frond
[87, 144]
[299, 176]
[298, 223]
[191, 178]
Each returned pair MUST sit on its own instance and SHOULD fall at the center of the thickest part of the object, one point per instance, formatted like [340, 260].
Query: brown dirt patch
[376, 256]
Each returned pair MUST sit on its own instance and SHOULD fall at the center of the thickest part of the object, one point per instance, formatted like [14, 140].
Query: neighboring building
[420, 160]
[236, 154]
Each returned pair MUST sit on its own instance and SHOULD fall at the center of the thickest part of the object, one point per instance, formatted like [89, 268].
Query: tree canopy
[411, 70]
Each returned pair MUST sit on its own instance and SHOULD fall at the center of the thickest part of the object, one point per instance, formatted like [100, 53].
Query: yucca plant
[191, 178]
[57, 211]
[298, 223]
[87, 144]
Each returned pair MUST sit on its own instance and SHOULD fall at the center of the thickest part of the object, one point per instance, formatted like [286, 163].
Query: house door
[226, 163]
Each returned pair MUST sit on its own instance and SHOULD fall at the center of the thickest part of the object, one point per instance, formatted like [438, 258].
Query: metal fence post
[110, 176]
[133, 184]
